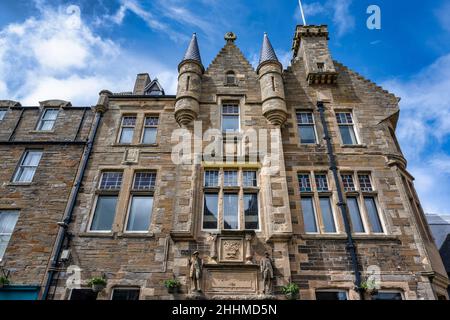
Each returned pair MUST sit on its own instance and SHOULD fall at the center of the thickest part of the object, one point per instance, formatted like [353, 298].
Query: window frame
[240, 190]
[3, 113]
[361, 196]
[332, 290]
[121, 127]
[313, 124]
[41, 120]
[156, 127]
[104, 192]
[125, 288]
[316, 196]
[15, 176]
[17, 212]
[222, 114]
[352, 125]
[230, 84]
[140, 193]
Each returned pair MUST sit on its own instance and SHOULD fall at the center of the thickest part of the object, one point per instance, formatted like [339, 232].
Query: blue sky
[73, 49]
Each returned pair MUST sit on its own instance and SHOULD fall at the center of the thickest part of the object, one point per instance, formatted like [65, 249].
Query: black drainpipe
[63, 232]
[342, 205]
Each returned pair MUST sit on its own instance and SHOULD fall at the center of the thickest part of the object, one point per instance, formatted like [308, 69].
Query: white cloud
[424, 130]
[443, 17]
[337, 10]
[55, 54]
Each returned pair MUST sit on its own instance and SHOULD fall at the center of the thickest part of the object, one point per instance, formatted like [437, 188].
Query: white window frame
[315, 194]
[233, 103]
[220, 190]
[141, 193]
[152, 126]
[3, 112]
[353, 124]
[119, 137]
[12, 232]
[18, 171]
[42, 120]
[316, 136]
[104, 192]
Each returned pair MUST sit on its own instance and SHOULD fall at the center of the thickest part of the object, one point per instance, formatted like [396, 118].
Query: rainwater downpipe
[351, 248]
[63, 231]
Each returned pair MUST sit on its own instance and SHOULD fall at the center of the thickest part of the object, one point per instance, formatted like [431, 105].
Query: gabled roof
[154, 88]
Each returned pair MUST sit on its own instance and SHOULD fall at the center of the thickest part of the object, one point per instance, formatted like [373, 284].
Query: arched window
[230, 78]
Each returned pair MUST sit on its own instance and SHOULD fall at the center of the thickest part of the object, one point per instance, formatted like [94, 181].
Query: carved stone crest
[231, 250]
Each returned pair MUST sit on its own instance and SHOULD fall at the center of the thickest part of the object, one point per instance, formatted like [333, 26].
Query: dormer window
[230, 78]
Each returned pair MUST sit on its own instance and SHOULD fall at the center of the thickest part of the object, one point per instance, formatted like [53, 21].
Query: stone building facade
[41, 148]
[245, 181]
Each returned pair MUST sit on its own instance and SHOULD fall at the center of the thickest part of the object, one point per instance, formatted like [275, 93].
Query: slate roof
[193, 52]
[267, 52]
[445, 253]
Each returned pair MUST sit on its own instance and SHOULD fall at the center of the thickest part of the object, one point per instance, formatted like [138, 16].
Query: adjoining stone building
[40, 152]
[269, 176]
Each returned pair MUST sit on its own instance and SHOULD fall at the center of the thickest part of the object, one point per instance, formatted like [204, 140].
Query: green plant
[172, 284]
[4, 281]
[368, 285]
[97, 281]
[291, 290]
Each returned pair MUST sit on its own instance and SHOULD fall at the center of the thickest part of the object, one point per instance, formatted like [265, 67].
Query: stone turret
[189, 84]
[311, 44]
[271, 82]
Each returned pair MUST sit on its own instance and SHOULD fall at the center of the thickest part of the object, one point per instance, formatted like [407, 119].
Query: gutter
[63, 231]
[351, 248]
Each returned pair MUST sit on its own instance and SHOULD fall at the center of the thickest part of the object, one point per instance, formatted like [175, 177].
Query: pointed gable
[230, 59]
[154, 88]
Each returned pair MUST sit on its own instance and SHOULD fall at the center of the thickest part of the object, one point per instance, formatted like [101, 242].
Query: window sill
[343, 236]
[136, 145]
[353, 146]
[42, 131]
[90, 234]
[136, 235]
[20, 184]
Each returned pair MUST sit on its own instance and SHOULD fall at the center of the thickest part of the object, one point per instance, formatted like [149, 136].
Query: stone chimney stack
[142, 80]
[311, 44]
[272, 86]
[189, 84]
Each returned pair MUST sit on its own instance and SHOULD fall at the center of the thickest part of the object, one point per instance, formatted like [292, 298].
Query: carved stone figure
[196, 266]
[212, 238]
[267, 273]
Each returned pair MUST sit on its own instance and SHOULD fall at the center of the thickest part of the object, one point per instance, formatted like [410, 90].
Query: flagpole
[301, 11]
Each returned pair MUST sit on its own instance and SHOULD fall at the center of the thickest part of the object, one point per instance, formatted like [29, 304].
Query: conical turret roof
[193, 52]
[267, 52]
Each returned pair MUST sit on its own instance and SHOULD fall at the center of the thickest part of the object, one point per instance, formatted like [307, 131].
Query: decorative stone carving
[248, 249]
[131, 156]
[232, 250]
[195, 272]
[212, 238]
[231, 281]
[267, 273]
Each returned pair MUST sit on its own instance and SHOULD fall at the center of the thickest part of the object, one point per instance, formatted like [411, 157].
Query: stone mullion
[123, 200]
